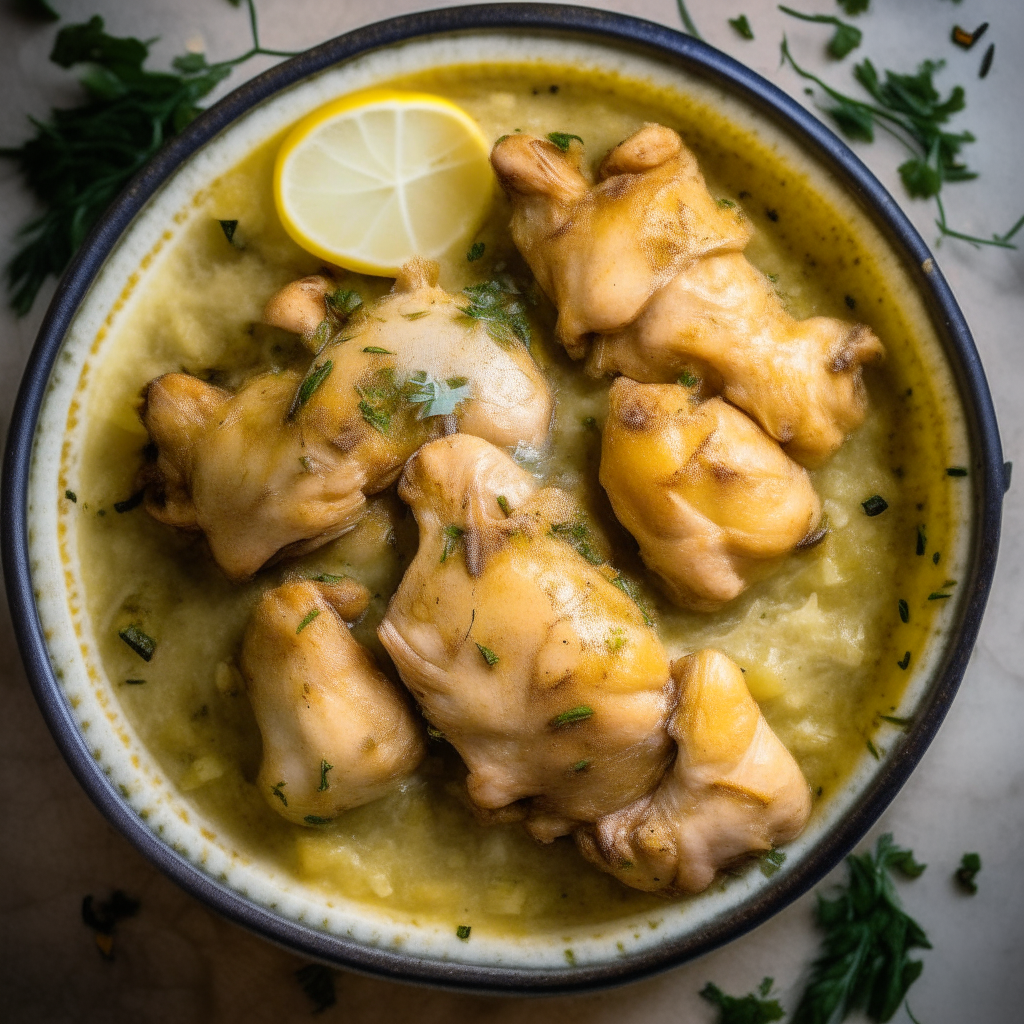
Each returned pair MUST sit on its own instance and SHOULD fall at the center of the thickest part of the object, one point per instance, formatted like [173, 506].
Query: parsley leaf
[746, 1009]
[742, 26]
[864, 962]
[563, 140]
[499, 307]
[846, 38]
[437, 397]
[970, 865]
[577, 535]
[380, 396]
[580, 714]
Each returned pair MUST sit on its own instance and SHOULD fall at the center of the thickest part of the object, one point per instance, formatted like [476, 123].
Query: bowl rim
[989, 479]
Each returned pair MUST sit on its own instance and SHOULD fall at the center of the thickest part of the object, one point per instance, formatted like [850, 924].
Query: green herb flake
[452, 535]
[476, 250]
[902, 723]
[437, 397]
[632, 591]
[343, 302]
[684, 16]
[328, 577]
[904, 610]
[317, 981]
[936, 595]
[922, 541]
[417, 315]
[570, 958]
[771, 862]
[580, 714]
[904, 661]
[688, 379]
[853, 7]
[141, 643]
[864, 963]
[504, 505]
[845, 39]
[276, 790]
[563, 140]
[71, 496]
[580, 766]
[129, 503]
[135, 682]
[434, 733]
[380, 396]
[875, 505]
[873, 751]
[742, 26]
[906, 864]
[376, 350]
[956, 471]
[325, 767]
[499, 306]
[726, 204]
[986, 61]
[935, 558]
[306, 463]
[462, 932]
[577, 535]
[313, 380]
[965, 875]
[314, 819]
[307, 619]
[488, 655]
[615, 640]
[229, 227]
[748, 1009]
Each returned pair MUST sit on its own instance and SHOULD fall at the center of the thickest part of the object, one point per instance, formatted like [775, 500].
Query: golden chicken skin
[285, 464]
[713, 502]
[337, 733]
[541, 672]
[733, 791]
[647, 271]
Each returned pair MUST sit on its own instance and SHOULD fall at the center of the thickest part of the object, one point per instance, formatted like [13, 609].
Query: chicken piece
[336, 731]
[285, 464]
[535, 666]
[601, 251]
[712, 501]
[721, 320]
[300, 307]
[733, 791]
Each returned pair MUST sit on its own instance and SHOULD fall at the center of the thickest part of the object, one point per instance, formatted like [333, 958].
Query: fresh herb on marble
[965, 875]
[687, 21]
[741, 26]
[748, 1009]
[845, 39]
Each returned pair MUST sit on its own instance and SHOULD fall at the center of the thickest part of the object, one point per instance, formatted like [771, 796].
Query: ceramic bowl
[46, 597]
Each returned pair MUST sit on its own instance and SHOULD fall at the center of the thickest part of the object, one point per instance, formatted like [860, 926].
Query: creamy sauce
[819, 641]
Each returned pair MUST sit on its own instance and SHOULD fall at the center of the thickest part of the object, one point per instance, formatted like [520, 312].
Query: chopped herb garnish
[956, 471]
[325, 767]
[904, 610]
[476, 250]
[936, 595]
[229, 227]
[129, 503]
[875, 505]
[846, 37]
[317, 981]
[504, 505]
[314, 819]
[463, 931]
[904, 661]
[276, 790]
[771, 862]
[742, 26]
[71, 496]
[452, 536]
[577, 535]
[380, 396]
[434, 733]
[343, 302]
[966, 39]
[746, 1009]
[327, 577]
[498, 305]
[726, 204]
[906, 863]
[378, 351]
[580, 714]
[307, 619]
[864, 961]
[134, 682]
[312, 380]
[417, 315]
[141, 643]
[306, 463]
[581, 766]
[873, 750]
[437, 397]
[986, 61]
[615, 640]
[922, 540]
[853, 7]
[688, 379]
[935, 558]
[970, 865]
[487, 654]
[631, 590]
[903, 723]
[563, 140]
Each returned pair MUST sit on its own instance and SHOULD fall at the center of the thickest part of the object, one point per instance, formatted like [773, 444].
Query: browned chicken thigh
[734, 790]
[535, 666]
[647, 272]
[713, 502]
[285, 464]
[336, 731]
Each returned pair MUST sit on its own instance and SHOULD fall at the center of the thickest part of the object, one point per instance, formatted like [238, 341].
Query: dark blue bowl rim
[986, 481]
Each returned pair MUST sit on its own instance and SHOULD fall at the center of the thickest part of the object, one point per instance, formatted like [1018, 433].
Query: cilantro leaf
[437, 397]
[746, 1009]
[742, 26]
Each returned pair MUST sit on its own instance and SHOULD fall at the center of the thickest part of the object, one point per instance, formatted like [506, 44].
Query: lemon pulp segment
[370, 180]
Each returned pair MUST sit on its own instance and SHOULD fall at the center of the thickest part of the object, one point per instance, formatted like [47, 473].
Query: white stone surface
[178, 962]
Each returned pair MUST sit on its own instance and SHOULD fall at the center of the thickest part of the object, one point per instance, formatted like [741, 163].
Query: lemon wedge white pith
[370, 180]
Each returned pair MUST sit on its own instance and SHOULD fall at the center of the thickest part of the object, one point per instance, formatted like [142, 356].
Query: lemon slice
[372, 179]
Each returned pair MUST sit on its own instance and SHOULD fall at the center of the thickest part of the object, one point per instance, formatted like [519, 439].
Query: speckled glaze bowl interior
[43, 575]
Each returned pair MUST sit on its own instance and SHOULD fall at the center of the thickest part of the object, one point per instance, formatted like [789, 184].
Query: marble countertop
[177, 961]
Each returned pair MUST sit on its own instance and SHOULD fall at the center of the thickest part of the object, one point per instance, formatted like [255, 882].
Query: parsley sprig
[748, 1009]
[82, 157]
[499, 306]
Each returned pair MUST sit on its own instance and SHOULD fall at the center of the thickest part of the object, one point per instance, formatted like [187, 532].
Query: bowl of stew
[842, 651]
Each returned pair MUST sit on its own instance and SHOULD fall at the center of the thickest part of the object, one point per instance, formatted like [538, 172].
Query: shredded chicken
[712, 500]
[285, 464]
[647, 272]
[734, 790]
[336, 731]
[540, 671]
